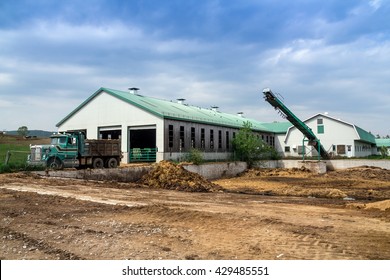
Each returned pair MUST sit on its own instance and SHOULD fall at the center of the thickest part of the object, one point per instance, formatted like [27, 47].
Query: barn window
[181, 136]
[227, 140]
[202, 138]
[219, 139]
[192, 137]
[170, 136]
[211, 139]
[341, 149]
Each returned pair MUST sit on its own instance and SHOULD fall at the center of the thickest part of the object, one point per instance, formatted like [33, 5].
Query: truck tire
[55, 163]
[97, 163]
[112, 163]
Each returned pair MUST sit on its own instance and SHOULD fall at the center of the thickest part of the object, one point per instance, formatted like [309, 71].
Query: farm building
[339, 138]
[383, 142]
[153, 129]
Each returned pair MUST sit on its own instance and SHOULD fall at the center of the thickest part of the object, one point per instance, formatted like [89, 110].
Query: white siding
[335, 133]
[106, 110]
[280, 145]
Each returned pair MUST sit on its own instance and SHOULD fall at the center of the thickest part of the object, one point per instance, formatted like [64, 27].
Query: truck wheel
[97, 163]
[55, 163]
[112, 163]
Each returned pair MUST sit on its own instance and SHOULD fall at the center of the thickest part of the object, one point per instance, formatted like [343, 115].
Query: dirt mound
[167, 175]
[258, 172]
[363, 172]
[383, 205]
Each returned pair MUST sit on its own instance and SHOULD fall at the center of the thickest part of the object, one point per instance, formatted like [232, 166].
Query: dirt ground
[262, 214]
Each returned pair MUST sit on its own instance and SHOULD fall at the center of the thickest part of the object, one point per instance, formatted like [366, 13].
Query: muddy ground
[263, 214]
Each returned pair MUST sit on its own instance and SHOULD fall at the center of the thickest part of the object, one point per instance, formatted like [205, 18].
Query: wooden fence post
[7, 157]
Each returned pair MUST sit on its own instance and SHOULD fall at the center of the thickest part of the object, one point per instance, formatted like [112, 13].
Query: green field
[18, 149]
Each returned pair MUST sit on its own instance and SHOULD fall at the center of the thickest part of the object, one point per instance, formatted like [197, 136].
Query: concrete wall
[330, 164]
[343, 164]
[218, 170]
[212, 156]
[133, 174]
[211, 171]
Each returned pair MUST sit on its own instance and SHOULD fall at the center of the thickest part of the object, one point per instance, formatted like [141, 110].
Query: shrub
[195, 156]
[250, 148]
[383, 151]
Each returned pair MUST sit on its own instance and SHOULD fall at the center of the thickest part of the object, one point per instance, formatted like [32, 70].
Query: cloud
[322, 56]
[375, 4]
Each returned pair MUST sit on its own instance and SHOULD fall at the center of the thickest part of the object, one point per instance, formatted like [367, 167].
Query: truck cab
[62, 152]
[73, 150]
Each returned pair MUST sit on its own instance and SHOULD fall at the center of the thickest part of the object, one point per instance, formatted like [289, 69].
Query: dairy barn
[153, 129]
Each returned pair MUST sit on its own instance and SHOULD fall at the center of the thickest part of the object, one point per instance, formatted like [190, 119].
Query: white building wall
[104, 111]
[279, 144]
[335, 133]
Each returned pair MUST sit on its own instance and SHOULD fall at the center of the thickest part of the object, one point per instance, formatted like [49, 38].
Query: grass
[19, 149]
[16, 167]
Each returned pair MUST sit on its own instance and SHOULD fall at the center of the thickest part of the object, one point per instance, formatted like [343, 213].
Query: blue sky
[321, 56]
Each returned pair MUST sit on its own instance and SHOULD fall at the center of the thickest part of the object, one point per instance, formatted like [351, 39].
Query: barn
[339, 138]
[153, 129]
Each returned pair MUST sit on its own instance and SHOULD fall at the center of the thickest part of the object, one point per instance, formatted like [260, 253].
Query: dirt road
[261, 215]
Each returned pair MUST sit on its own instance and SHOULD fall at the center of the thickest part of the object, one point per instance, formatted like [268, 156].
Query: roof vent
[240, 114]
[214, 108]
[180, 100]
[133, 90]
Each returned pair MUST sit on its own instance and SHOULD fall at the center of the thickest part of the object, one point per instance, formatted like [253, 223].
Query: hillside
[33, 133]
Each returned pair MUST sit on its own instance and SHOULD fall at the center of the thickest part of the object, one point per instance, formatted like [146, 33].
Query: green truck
[73, 150]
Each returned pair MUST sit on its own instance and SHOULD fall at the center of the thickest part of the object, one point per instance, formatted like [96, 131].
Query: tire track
[9, 234]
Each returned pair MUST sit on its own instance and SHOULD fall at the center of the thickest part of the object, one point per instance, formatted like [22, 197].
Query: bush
[383, 151]
[195, 156]
[250, 148]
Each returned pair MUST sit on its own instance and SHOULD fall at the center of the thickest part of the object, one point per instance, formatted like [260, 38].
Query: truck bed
[102, 148]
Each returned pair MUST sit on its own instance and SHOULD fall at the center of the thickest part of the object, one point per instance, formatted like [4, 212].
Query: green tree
[383, 151]
[23, 131]
[250, 148]
[195, 156]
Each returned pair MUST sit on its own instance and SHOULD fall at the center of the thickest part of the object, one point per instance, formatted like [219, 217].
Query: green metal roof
[278, 127]
[382, 142]
[364, 135]
[173, 110]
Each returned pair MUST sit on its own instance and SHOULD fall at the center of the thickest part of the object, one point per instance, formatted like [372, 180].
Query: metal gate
[142, 155]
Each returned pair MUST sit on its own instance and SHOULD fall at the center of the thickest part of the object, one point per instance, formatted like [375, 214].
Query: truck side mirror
[73, 141]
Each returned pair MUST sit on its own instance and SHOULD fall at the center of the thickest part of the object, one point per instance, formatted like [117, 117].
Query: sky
[321, 56]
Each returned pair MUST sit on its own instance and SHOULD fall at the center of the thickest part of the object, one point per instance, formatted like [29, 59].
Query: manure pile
[167, 175]
[362, 172]
[267, 172]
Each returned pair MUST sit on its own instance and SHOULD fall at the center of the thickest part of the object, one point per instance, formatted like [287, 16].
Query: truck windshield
[58, 140]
